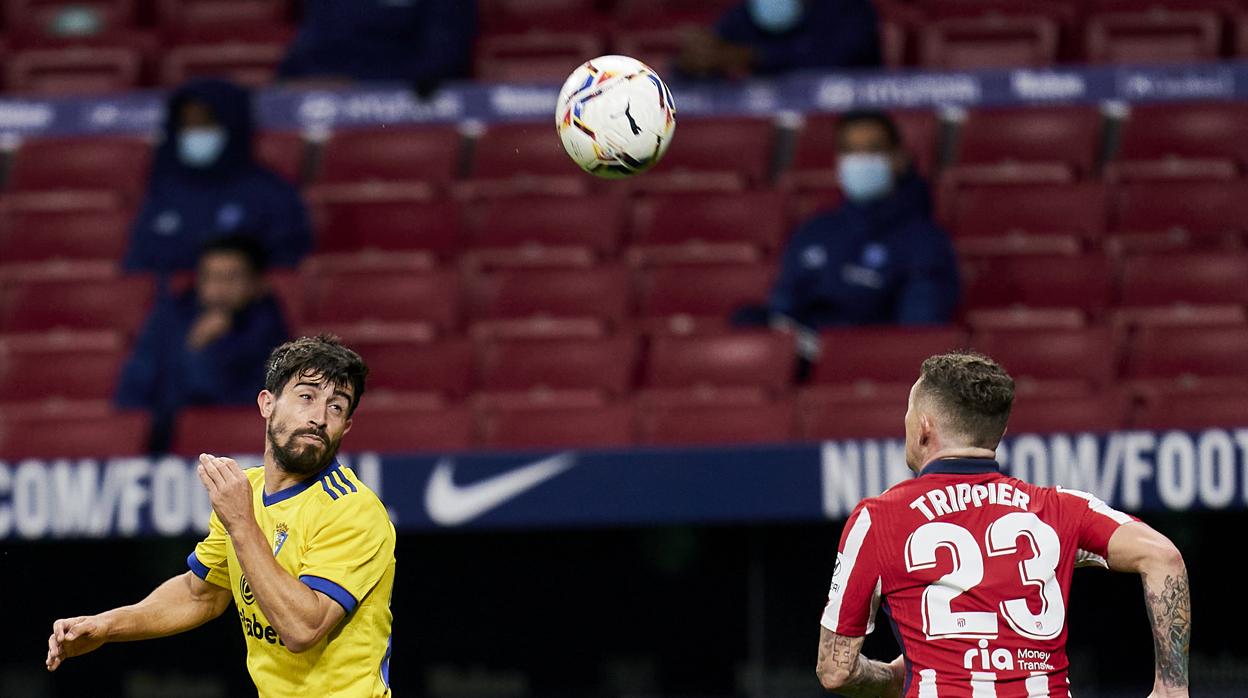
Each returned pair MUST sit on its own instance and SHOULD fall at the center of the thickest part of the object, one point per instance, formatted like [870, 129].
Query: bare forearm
[1169, 604]
[842, 669]
[170, 609]
[869, 679]
[292, 607]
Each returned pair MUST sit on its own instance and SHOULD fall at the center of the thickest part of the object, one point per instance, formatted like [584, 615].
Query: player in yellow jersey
[305, 549]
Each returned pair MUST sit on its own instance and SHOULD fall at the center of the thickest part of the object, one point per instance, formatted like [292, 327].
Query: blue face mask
[865, 176]
[201, 146]
[776, 16]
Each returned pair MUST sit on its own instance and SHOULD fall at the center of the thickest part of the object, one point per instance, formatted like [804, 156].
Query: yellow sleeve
[350, 551]
[209, 561]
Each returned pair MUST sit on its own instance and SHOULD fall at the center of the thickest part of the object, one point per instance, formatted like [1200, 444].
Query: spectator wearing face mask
[879, 259]
[207, 346]
[770, 37]
[206, 184]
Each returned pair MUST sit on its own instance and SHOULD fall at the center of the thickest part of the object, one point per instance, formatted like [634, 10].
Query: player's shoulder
[341, 490]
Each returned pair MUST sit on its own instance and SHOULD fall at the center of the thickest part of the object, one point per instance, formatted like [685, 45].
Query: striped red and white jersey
[973, 570]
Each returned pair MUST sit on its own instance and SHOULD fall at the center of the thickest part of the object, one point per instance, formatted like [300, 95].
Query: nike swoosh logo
[449, 504]
[632, 123]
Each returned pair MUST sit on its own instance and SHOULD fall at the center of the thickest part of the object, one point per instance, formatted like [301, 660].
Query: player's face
[306, 423]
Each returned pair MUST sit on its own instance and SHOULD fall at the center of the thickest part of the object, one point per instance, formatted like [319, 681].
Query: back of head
[971, 395]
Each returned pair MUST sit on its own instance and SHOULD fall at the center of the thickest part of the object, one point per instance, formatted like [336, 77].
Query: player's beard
[300, 457]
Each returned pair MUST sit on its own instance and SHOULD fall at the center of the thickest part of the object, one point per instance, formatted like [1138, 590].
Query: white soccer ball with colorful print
[615, 117]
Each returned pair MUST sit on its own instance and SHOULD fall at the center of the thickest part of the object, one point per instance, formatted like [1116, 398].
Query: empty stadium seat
[695, 160]
[221, 431]
[1185, 279]
[428, 154]
[118, 304]
[710, 424]
[1100, 413]
[993, 41]
[556, 427]
[821, 417]
[115, 164]
[711, 291]
[281, 151]
[656, 47]
[1083, 283]
[1157, 138]
[73, 71]
[600, 294]
[534, 56]
[680, 13]
[1192, 412]
[1153, 215]
[1053, 361]
[27, 235]
[251, 63]
[38, 15]
[881, 355]
[751, 359]
[522, 158]
[1024, 318]
[1028, 144]
[431, 297]
[441, 369]
[814, 156]
[433, 227]
[395, 424]
[510, 15]
[62, 365]
[175, 15]
[103, 436]
[605, 364]
[547, 223]
[1173, 354]
[675, 222]
[1025, 219]
[1157, 35]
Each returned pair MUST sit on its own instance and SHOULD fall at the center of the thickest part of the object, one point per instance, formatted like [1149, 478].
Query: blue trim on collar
[961, 466]
[283, 495]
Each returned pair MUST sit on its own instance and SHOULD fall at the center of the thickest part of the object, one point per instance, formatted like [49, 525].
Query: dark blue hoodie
[885, 262]
[186, 207]
[832, 34]
[418, 42]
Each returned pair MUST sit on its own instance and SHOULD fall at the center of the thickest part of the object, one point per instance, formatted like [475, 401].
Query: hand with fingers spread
[228, 488]
[72, 637]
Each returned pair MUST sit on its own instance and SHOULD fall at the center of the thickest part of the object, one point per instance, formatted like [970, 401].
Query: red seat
[1173, 353]
[73, 71]
[1169, 214]
[1211, 133]
[547, 222]
[221, 431]
[428, 154]
[251, 63]
[389, 225]
[120, 304]
[1084, 283]
[38, 15]
[62, 365]
[605, 364]
[666, 13]
[441, 370]
[1026, 219]
[1192, 412]
[814, 158]
[1028, 144]
[992, 41]
[600, 293]
[671, 222]
[1023, 318]
[522, 158]
[657, 47]
[1051, 360]
[751, 359]
[181, 14]
[395, 424]
[45, 235]
[881, 355]
[534, 56]
[1101, 413]
[557, 427]
[819, 417]
[1154, 36]
[510, 15]
[282, 151]
[431, 297]
[100, 437]
[710, 424]
[695, 160]
[1187, 279]
[701, 291]
[117, 164]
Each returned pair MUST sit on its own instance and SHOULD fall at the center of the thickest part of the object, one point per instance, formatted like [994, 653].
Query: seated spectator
[879, 259]
[205, 184]
[770, 37]
[417, 42]
[207, 346]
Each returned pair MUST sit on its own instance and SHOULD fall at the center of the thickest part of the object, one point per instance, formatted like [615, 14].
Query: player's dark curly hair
[324, 358]
[973, 392]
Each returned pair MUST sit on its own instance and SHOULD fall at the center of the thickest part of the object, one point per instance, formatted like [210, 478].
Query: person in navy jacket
[207, 346]
[771, 37]
[206, 184]
[417, 42]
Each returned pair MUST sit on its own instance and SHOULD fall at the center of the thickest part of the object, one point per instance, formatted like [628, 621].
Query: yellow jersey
[332, 533]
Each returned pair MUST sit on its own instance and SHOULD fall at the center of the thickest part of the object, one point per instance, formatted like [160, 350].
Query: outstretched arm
[180, 604]
[1136, 547]
[842, 668]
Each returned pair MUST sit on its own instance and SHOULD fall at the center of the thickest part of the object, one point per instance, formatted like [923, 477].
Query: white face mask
[776, 16]
[865, 176]
[201, 146]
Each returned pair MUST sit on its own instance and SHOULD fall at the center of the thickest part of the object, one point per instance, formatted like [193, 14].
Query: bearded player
[304, 549]
[973, 567]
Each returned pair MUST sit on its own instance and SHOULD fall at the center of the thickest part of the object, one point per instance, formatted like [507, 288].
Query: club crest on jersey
[279, 538]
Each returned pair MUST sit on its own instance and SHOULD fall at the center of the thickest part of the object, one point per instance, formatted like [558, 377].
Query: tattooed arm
[1136, 547]
[842, 668]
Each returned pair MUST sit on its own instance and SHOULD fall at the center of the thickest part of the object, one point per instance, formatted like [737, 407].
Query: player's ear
[265, 401]
[925, 429]
[346, 426]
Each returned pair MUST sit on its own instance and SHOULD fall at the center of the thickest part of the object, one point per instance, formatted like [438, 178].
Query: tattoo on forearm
[1170, 614]
[841, 653]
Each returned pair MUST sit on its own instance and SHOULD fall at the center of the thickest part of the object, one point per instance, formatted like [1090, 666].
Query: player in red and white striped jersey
[973, 567]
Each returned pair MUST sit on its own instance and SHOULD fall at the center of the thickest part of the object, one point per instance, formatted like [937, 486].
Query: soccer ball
[615, 117]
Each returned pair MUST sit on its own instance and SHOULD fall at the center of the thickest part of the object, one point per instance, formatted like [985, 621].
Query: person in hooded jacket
[771, 37]
[205, 183]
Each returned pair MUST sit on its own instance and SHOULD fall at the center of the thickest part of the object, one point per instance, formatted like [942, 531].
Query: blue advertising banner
[281, 108]
[1135, 471]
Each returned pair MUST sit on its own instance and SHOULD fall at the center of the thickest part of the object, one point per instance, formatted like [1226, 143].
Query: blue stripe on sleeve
[332, 590]
[200, 569]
